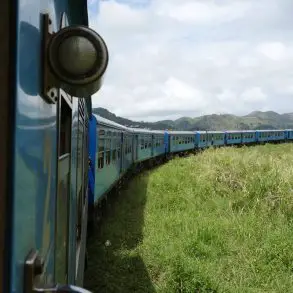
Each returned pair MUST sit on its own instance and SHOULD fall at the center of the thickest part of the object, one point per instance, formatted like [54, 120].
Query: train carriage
[248, 136]
[201, 139]
[112, 154]
[45, 113]
[143, 144]
[289, 134]
[279, 135]
[180, 141]
[233, 137]
[158, 143]
[270, 135]
[215, 138]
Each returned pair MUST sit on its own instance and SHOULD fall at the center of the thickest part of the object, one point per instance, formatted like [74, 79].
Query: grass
[220, 221]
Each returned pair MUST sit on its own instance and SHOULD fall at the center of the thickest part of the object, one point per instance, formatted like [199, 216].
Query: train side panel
[201, 139]
[248, 137]
[109, 153]
[233, 137]
[158, 145]
[35, 149]
[92, 159]
[145, 144]
[180, 142]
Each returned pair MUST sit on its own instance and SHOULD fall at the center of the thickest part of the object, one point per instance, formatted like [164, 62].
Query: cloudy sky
[174, 58]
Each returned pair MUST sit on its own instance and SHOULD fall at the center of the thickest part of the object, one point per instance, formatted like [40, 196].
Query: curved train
[57, 159]
[115, 150]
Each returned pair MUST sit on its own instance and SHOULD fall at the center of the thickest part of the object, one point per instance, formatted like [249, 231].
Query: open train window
[65, 129]
[113, 155]
[108, 157]
[101, 153]
[101, 160]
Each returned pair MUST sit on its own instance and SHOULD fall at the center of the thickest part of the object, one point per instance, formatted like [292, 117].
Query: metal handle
[33, 267]
[62, 289]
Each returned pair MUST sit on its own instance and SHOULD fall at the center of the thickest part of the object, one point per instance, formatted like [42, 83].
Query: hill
[254, 120]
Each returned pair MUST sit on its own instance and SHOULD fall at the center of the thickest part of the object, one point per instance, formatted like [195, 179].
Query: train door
[63, 188]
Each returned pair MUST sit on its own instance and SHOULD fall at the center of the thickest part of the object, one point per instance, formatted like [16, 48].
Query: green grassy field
[220, 221]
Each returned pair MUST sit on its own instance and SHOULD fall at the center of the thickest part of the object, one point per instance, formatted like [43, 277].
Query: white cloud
[253, 95]
[171, 58]
[195, 12]
[275, 51]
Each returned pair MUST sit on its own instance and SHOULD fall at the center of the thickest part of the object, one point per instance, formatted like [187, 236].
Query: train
[58, 160]
[116, 151]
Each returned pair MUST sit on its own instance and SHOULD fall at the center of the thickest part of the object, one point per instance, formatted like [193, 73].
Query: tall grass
[220, 221]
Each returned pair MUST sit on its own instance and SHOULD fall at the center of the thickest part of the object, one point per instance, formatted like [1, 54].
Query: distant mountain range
[254, 120]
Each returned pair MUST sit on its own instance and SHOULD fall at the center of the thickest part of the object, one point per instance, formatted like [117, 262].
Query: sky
[175, 58]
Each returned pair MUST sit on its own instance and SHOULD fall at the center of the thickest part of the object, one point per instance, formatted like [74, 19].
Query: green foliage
[255, 120]
[220, 221]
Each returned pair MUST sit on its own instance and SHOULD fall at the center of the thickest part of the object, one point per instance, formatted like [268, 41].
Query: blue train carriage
[143, 144]
[248, 136]
[201, 138]
[233, 137]
[279, 135]
[181, 141]
[289, 134]
[215, 138]
[44, 160]
[112, 155]
[270, 135]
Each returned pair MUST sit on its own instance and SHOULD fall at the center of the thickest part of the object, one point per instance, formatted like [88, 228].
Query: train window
[118, 154]
[101, 153]
[113, 155]
[108, 157]
[101, 160]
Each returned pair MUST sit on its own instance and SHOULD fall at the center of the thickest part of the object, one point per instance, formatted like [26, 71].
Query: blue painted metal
[233, 137]
[35, 149]
[92, 158]
[144, 146]
[181, 141]
[201, 139]
[248, 136]
[167, 142]
[215, 138]
[111, 165]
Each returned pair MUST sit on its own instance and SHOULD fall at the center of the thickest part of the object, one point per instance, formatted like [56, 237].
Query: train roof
[269, 130]
[216, 131]
[106, 122]
[149, 131]
[177, 132]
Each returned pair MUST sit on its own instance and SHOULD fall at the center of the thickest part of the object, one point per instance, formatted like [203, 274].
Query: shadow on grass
[118, 267]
